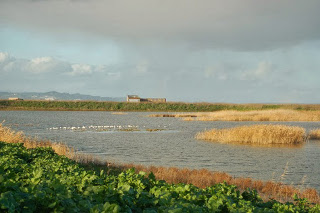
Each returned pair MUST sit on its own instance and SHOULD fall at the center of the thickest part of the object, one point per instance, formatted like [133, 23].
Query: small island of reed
[256, 134]
[314, 134]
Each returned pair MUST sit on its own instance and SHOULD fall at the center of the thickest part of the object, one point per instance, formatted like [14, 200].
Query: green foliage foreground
[38, 180]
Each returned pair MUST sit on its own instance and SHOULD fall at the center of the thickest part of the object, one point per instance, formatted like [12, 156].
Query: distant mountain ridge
[53, 95]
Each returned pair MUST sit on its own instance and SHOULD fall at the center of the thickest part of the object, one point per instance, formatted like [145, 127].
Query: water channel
[106, 135]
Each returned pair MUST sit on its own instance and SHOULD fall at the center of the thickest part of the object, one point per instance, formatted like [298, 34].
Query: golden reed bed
[314, 134]
[256, 115]
[256, 134]
[201, 178]
[268, 115]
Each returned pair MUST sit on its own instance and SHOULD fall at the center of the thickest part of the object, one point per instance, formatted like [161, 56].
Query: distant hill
[56, 96]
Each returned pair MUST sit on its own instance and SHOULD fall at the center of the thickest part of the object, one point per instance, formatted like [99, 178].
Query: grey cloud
[43, 73]
[233, 24]
[222, 70]
[80, 69]
[262, 71]
[46, 65]
[33, 67]
[47, 73]
[4, 57]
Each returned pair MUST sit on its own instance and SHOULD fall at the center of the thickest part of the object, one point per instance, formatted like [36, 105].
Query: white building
[133, 98]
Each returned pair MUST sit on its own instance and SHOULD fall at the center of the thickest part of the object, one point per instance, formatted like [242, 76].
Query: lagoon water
[101, 135]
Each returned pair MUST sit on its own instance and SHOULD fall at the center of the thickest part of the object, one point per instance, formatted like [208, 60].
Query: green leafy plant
[38, 180]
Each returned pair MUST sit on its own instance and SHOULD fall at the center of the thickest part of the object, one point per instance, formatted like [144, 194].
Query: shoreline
[199, 177]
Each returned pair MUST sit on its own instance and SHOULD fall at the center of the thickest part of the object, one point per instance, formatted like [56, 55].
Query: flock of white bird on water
[97, 128]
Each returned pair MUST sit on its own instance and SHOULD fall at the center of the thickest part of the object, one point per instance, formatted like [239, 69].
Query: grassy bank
[200, 178]
[39, 180]
[254, 115]
[256, 134]
[124, 106]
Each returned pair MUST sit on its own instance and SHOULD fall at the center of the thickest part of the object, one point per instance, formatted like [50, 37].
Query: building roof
[133, 97]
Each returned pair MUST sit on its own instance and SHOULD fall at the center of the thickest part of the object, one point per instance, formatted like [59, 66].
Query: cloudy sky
[247, 51]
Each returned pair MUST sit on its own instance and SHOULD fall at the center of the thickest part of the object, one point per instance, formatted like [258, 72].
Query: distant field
[152, 107]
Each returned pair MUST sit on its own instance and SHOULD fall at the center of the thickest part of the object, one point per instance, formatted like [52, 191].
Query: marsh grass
[257, 115]
[256, 134]
[201, 178]
[314, 134]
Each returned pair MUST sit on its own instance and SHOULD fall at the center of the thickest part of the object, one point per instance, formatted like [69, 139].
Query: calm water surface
[174, 145]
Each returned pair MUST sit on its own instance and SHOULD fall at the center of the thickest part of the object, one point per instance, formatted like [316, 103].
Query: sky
[248, 51]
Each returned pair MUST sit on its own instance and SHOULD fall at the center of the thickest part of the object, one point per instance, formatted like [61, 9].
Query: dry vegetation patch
[314, 134]
[258, 115]
[256, 134]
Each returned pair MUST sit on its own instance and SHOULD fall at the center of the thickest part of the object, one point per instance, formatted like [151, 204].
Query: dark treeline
[125, 106]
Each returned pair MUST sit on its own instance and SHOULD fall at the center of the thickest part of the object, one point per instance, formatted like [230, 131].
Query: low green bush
[38, 180]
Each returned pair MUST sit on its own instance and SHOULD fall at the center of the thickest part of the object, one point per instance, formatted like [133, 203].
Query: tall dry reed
[256, 134]
[314, 134]
[258, 115]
